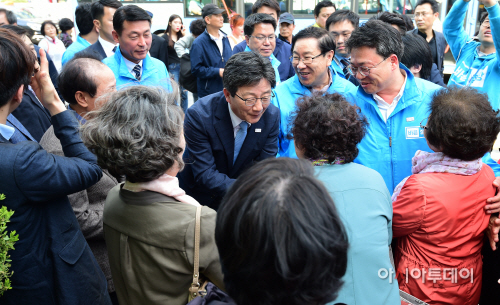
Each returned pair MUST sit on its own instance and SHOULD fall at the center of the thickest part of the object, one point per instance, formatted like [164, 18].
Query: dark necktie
[239, 139]
[137, 71]
[114, 49]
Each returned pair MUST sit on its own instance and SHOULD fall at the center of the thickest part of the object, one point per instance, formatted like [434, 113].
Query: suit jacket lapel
[252, 141]
[19, 127]
[224, 129]
[35, 100]
[100, 49]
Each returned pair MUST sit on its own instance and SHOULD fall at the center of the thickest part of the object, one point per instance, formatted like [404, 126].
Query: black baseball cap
[210, 9]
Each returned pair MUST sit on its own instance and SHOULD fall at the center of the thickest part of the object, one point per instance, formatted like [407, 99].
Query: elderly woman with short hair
[326, 131]
[438, 211]
[149, 222]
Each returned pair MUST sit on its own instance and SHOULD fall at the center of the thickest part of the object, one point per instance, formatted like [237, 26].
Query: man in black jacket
[102, 12]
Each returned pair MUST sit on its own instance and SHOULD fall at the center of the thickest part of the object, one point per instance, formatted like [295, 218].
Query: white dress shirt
[107, 46]
[218, 41]
[235, 120]
[131, 65]
[385, 108]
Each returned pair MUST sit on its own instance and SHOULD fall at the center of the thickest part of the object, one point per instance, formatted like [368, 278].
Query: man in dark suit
[83, 81]
[426, 12]
[102, 12]
[159, 46]
[30, 113]
[52, 262]
[159, 49]
[230, 130]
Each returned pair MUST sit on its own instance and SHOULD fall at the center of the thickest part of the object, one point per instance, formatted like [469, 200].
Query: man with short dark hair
[228, 131]
[322, 11]
[393, 100]
[394, 19]
[283, 50]
[88, 32]
[102, 12]
[210, 52]
[287, 26]
[417, 58]
[313, 50]
[52, 263]
[259, 34]
[426, 12]
[159, 46]
[341, 24]
[83, 81]
[131, 63]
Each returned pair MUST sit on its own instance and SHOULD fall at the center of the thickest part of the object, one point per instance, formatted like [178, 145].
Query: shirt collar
[221, 35]
[82, 41]
[7, 131]
[50, 39]
[130, 65]
[380, 101]
[325, 88]
[107, 46]
[78, 117]
[424, 35]
[235, 120]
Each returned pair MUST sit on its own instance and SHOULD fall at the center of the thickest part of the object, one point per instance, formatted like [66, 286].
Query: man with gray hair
[230, 130]
[82, 81]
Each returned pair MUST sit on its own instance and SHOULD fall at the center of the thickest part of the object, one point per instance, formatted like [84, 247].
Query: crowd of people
[323, 165]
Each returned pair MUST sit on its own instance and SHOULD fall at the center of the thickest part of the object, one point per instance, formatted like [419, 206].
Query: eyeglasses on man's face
[306, 60]
[265, 100]
[269, 38]
[365, 71]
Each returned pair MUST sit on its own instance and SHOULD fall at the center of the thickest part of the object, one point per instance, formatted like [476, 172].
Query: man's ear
[115, 36]
[16, 99]
[97, 25]
[227, 94]
[247, 39]
[394, 61]
[18, 96]
[81, 99]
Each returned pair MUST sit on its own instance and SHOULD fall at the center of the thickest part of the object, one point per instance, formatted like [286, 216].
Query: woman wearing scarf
[439, 216]
[51, 44]
[149, 222]
[326, 131]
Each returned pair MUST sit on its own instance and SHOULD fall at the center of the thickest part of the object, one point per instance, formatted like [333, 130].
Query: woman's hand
[43, 87]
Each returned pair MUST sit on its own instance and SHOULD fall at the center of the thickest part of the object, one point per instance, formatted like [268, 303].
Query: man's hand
[221, 72]
[488, 3]
[43, 87]
[493, 205]
[492, 231]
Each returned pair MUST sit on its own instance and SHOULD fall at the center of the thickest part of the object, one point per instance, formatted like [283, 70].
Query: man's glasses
[365, 71]
[306, 60]
[270, 38]
[265, 100]
[422, 14]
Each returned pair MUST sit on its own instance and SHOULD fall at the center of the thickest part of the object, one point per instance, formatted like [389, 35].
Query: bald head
[84, 79]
